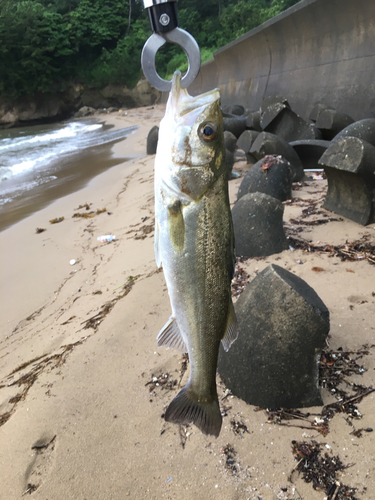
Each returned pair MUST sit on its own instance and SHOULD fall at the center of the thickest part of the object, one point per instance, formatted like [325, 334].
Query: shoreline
[83, 337]
[74, 175]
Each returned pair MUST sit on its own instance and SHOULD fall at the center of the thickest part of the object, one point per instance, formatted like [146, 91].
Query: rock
[245, 142]
[271, 175]
[152, 140]
[60, 105]
[112, 109]
[349, 164]
[270, 144]
[309, 152]
[285, 123]
[258, 225]
[363, 129]
[230, 140]
[235, 124]
[253, 121]
[330, 123]
[84, 111]
[282, 327]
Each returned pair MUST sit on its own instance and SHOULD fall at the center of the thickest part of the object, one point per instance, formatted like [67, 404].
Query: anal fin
[231, 331]
[170, 336]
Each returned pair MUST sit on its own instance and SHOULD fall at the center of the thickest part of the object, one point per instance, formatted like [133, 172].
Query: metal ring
[153, 44]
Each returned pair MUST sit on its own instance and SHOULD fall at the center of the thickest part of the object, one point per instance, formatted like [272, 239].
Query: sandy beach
[82, 389]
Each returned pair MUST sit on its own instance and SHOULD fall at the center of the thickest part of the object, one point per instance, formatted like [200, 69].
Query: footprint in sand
[41, 463]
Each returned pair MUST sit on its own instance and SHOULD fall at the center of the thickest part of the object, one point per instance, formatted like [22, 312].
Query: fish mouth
[180, 102]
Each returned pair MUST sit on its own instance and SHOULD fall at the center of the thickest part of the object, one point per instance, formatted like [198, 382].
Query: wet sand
[82, 417]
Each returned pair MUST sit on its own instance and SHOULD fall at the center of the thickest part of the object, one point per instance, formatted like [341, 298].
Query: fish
[194, 244]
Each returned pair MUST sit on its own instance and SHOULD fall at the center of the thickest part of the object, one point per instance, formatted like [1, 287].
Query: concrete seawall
[316, 51]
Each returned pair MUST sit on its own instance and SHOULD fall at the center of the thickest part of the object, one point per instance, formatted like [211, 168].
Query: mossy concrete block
[330, 122]
[271, 175]
[282, 325]
[310, 151]
[152, 140]
[258, 225]
[270, 144]
[349, 164]
[363, 129]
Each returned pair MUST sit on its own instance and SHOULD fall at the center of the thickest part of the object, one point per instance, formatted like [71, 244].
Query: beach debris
[240, 279]
[197, 257]
[334, 369]
[361, 249]
[30, 489]
[106, 238]
[238, 427]
[184, 364]
[321, 470]
[231, 462]
[72, 262]
[89, 215]
[163, 381]
[39, 230]
[85, 205]
[142, 232]
[57, 220]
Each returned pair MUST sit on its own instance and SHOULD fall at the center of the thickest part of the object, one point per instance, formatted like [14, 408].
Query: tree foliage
[44, 44]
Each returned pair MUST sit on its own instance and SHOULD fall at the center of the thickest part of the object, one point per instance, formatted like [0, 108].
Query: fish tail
[185, 408]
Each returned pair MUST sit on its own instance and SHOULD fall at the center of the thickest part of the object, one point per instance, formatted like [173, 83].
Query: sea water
[36, 159]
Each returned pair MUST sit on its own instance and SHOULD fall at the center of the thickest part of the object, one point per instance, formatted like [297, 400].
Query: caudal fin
[184, 409]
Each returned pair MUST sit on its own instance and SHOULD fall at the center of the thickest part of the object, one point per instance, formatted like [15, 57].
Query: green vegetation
[47, 44]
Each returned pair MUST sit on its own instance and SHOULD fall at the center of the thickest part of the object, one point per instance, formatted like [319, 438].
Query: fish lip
[183, 103]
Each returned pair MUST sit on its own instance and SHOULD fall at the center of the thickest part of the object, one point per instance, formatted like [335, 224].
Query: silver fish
[195, 245]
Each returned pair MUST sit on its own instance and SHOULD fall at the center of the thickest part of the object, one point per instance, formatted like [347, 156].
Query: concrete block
[271, 175]
[282, 327]
[258, 225]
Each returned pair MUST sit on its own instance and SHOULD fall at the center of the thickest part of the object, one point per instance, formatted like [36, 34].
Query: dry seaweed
[184, 364]
[95, 320]
[239, 281]
[27, 380]
[57, 220]
[334, 369]
[321, 470]
[231, 463]
[357, 250]
[238, 427]
[163, 381]
[39, 230]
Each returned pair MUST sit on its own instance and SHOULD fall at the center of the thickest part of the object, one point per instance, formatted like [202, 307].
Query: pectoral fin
[231, 331]
[170, 336]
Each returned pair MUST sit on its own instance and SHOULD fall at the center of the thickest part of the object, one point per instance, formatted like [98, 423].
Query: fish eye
[208, 132]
